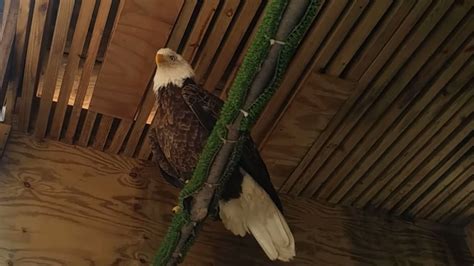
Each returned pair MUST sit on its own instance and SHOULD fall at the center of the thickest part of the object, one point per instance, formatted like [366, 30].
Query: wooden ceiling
[375, 110]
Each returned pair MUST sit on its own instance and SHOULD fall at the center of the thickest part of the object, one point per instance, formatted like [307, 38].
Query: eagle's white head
[171, 68]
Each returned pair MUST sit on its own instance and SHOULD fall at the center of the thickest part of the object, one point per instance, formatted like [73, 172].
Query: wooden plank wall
[388, 126]
[61, 205]
[375, 110]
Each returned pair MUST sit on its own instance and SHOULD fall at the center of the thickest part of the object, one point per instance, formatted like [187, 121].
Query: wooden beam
[132, 214]
[7, 35]
[470, 237]
[32, 63]
[4, 136]
[75, 51]
[19, 54]
[55, 59]
[87, 68]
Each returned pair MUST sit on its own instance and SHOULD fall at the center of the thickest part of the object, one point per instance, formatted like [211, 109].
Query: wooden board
[142, 28]
[54, 210]
[7, 36]
[87, 69]
[4, 135]
[32, 60]
[68, 79]
[306, 117]
[55, 57]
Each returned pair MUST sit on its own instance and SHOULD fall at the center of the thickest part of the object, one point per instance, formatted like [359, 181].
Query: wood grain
[211, 46]
[7, 36]
[230, 45]
[55, 56]
[181, 24]
[410, 124]
[67, 81]
[334, 144]
[87, 69]
[32, 60]
[306, 117]
[4, 136]
[19, 54]
[55, 210]
[200, 27]
[142, 28]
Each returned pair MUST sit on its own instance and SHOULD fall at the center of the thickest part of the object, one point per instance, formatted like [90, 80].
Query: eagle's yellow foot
[176, 209]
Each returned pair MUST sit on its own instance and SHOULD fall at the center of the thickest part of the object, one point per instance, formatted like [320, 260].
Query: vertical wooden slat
[120, 135]
[379, 106]
[461, 187]
[343, 28]
[415, 189]
[214, 40]
[140, 123]
[80, 34]
[6, 45]
[237, 32]
[389, 39]
[102, 133]
[86, 129]
[87, 68]
[32, 62]
[55, 58]
[436, 111]
[458, 179]
[382, 35]
[431, 149]
[200, 27]
[380, 130]
[461, 215]
[325, 146]
[19, 54]
[181, 24]
[371, 17]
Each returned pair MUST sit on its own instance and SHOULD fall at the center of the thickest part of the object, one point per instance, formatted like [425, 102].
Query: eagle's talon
[176, 209]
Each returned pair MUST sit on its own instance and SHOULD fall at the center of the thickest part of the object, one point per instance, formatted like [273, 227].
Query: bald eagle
[185, 117]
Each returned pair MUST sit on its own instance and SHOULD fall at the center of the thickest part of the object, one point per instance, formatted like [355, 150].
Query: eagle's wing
[166, 169]
[207, 107]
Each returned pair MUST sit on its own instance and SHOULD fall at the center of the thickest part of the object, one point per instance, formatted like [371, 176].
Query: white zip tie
[273, 41]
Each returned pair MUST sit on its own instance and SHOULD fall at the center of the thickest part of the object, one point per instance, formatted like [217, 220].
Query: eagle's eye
[173, 58]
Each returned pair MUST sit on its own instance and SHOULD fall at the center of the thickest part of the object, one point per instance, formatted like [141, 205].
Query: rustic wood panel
[60, 186]
[87, 68]
[67, 81]
[199, 29]
[55, 57]
[32, 60]
[121, 84]
[306, 117]
[349, 137]
[19, 54]
[7, 36]
[4, 136]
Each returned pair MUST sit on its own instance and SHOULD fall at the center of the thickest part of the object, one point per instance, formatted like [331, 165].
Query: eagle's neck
[175, 76]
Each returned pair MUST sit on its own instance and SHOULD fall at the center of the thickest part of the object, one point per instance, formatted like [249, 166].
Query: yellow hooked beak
[159, 58]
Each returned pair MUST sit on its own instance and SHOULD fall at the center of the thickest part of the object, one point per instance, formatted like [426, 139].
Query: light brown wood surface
[61, 205]
[142, 25]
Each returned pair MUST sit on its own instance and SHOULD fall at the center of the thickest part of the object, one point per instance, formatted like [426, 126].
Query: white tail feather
[254, 212]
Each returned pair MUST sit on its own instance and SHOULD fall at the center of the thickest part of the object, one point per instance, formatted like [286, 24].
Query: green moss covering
[254, 58]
